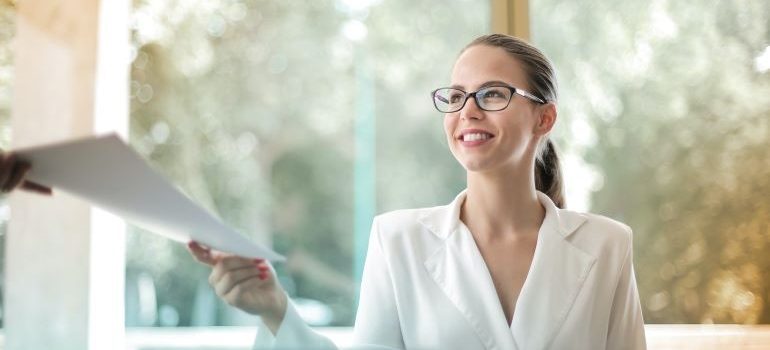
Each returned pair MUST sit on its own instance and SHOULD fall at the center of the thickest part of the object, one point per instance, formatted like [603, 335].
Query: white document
[106, 172]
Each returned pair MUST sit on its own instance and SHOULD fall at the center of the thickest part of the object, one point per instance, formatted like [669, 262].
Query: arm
[292, 333]
[250, 285]
[255, 290]
[377, 323]
[626, 328]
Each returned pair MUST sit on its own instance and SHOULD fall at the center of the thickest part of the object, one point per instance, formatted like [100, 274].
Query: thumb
[202, 254]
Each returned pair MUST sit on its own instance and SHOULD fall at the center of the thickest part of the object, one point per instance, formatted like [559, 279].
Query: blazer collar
[444, 220]
[556, 275]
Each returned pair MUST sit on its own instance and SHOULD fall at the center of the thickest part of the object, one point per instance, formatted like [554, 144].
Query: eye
[456, 97]
[494, 93]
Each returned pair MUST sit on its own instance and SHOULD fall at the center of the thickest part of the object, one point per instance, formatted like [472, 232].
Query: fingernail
[262, 267]
[259, 260]
[262, 276]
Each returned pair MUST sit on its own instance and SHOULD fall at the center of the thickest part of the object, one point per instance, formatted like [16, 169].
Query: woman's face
[502, 140]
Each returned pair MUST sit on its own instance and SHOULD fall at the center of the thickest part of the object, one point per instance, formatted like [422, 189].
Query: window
[667, 104]
[295, 124]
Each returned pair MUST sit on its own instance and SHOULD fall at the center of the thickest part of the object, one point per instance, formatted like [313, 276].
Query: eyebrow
[485, 84]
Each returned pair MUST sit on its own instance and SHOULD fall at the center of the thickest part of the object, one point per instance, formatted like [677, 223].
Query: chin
[487, 163]
[476, 165]
[472, 162]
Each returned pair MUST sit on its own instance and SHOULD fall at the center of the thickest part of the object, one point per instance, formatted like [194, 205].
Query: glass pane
[295, 124]
[667, 106]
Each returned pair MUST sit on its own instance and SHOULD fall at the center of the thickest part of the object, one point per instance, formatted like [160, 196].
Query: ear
[547, 115]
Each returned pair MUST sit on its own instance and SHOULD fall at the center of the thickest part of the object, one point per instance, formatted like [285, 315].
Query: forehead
[482, 63]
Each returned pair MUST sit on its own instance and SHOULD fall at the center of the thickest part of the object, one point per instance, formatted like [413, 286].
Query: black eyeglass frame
[513, 90]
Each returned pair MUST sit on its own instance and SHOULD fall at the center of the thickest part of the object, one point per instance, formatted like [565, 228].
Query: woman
[502, 266]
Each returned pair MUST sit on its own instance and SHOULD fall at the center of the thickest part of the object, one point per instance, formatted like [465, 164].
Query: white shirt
[425, 285]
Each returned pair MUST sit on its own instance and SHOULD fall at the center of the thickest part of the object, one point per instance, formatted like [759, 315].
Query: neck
[502, 205]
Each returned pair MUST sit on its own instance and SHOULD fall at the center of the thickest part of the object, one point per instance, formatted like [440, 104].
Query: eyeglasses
[490, 98]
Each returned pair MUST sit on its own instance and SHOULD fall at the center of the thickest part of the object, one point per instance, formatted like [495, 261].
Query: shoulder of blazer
[408, 220]
[600, 235]
[411, 234]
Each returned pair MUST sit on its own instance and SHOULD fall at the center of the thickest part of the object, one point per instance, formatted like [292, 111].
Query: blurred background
[298, 121]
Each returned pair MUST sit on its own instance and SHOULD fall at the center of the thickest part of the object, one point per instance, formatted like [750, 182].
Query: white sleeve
[293, 333]
[626, 328]
[377, 325]
[377, 321]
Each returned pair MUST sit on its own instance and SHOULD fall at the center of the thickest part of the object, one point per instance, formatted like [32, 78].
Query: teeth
[476, 137]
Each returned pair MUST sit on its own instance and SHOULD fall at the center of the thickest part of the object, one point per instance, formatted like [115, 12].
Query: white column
[65, 260]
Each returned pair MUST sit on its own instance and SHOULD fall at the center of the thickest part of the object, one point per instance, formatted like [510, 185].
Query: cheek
[449, 127]
[518, 139]
[450, 124]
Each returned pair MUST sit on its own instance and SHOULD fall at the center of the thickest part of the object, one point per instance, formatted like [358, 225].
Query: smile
[474, 137]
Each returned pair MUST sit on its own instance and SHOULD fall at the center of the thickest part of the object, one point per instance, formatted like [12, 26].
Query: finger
[229, 263]
[201, 254]
[19, 171]
[234, 278]
[264, 272]
[36, 187]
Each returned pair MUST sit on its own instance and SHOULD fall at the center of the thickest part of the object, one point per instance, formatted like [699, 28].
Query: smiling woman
[502, 266]
[663, 119]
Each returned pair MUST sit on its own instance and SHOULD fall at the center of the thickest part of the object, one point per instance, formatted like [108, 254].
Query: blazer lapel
[459, 270]
[556, 276]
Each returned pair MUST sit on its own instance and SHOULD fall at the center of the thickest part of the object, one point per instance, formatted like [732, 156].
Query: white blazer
[426, 286]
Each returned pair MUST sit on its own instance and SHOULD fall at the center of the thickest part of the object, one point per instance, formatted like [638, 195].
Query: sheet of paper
[106, 172]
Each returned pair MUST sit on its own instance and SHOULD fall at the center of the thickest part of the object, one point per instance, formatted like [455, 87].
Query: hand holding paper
[107, 173]
[13, 175]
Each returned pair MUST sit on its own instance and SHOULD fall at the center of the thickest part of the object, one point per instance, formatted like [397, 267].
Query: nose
[471, 109]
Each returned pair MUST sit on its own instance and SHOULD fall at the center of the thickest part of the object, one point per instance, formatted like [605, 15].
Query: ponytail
[548, 177]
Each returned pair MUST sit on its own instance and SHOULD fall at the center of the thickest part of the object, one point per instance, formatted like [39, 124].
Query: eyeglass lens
[493, 98]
